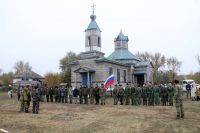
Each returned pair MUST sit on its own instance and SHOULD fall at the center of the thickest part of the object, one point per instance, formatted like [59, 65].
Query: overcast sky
[43, 31]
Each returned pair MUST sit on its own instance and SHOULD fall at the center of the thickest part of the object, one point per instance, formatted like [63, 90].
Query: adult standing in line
[178, 100]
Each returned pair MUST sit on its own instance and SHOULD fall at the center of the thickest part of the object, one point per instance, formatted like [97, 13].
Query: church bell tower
[93, 35]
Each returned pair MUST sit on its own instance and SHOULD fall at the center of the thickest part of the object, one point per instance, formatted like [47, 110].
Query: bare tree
[22, 67]
[174, 66]
[157, 59]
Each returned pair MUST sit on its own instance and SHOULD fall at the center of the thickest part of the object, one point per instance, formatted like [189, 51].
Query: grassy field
[76, 118]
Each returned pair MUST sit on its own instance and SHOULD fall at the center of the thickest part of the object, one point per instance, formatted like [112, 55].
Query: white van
[193, 87]
[185, 82]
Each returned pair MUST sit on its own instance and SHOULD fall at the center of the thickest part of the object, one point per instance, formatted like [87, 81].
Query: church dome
[93, 23]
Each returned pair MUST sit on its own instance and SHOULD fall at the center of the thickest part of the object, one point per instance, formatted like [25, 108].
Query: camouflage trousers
[127, 100]
[85, 99]
[170, 100]
[103, 99]
[22, 106]
[115, 98]
[66, 99]
[133, 99]
[157, 99]
[26, 106]
[70, 98]
[80, 99]
[91, 99]
[35, 107]
[179, 107]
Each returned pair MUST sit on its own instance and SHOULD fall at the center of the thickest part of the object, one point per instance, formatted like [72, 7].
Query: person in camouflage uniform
[138, 95]
[91, 94]
[56, 94]
[36, 100]
[47, 92]
[21, 99]
[85, 94]
[133, 98]
[144, 94]
[102, 93]
[96, 92]
[178, 100]
[27, 98]
[59, 94]
[66, 93]
[163, 95]
[121, 94]
[127, 94]
[51, 93]
[170, 94]
[70, 94]
[156, 94]
[115, 94]
[81, 94]
[151, 95]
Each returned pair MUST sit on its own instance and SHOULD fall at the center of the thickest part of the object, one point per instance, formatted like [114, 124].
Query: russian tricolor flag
[109, 81]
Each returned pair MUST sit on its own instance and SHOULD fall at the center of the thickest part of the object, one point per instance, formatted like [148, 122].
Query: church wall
[115, 67]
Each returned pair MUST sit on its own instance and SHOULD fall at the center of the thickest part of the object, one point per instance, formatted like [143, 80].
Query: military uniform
[144, 95]
[179, 101]
[170, 94]
[36, 100]
[27, 99]
[151, 96]
[91, 95]
[163, 95]
[56, 94]
[47, 93]
[121, 95]
[102, 93]
[97, 96]
[85, 95]
[66, 94]
[51, 93]
[138, 96]
[70, 94]
[156, 95]
[127, 94]
[59, 95]
[81, 95]
[21, 99]
[133, 98]
[115, 94]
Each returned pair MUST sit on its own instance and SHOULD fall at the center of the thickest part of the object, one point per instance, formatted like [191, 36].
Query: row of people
[147, 94]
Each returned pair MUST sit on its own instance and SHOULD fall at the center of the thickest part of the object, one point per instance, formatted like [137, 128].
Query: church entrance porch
[86, 75]
[139, 79]
[86, 79]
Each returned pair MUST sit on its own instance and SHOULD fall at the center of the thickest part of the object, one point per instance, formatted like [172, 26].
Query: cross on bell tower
[93, 8]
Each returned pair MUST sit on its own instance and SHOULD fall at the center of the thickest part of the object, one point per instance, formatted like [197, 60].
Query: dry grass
[66, 118]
